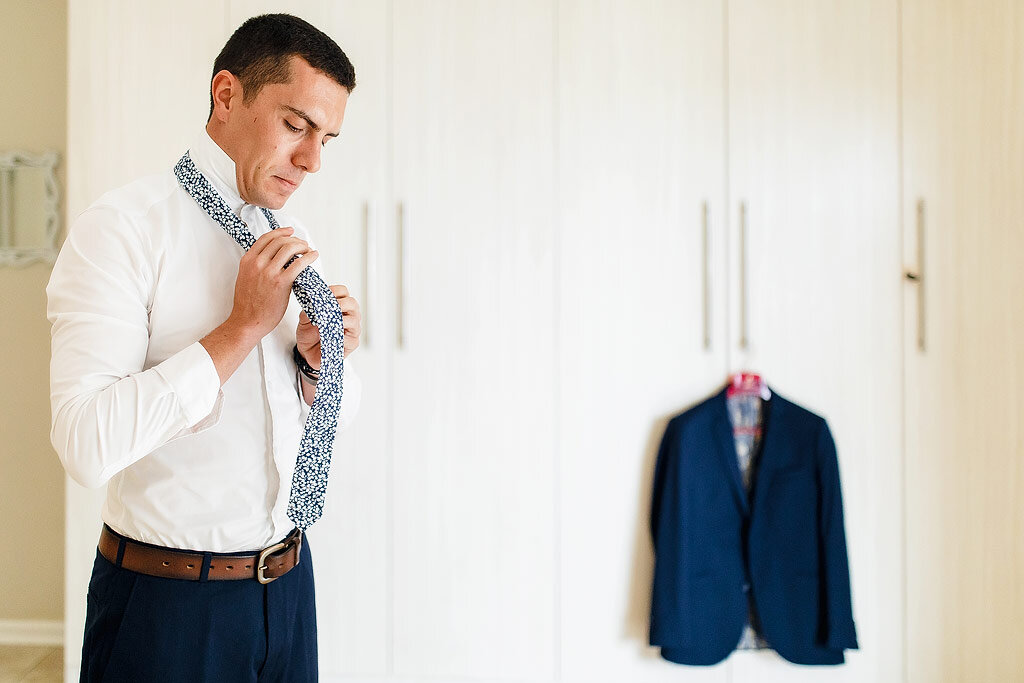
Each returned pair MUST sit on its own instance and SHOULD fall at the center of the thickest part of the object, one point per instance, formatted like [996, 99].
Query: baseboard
[31, 632]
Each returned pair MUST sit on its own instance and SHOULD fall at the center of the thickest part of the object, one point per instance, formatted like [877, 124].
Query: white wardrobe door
[138, 88]
[138, 94]
[474, 374]
[640, 155]
[341, 205]
[813, 139]
[964, 174]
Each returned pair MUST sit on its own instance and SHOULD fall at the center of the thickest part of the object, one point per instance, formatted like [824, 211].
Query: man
[183, 371]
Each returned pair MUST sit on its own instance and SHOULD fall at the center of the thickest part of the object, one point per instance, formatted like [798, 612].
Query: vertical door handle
[403, 274]
[917, 277]
[706, 279]
[744, 332]
[369, 269]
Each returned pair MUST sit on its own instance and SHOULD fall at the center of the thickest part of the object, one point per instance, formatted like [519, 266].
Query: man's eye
[292, 128]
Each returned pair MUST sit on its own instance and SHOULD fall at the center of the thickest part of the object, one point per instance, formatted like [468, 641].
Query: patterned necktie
[309, 481]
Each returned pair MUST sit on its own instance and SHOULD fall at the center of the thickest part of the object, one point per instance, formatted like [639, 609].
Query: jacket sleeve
[107, 409]
[836, 572]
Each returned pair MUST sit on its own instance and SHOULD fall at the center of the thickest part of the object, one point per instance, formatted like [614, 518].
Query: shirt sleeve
[107, 409]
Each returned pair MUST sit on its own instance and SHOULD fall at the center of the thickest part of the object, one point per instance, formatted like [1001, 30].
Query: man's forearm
[228, 345]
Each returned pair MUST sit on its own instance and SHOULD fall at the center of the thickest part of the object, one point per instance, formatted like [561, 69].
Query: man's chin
[273, 201]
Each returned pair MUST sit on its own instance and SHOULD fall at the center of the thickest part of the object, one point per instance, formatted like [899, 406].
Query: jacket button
[746, 588]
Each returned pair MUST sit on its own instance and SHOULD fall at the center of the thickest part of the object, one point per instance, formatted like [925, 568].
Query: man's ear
[227, 94]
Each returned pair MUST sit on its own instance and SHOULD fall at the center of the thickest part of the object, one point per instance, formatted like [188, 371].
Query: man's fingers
[272, 254]
[299, 264]
[347, 304]
[284, 257]
[266, 238]
[352, 320]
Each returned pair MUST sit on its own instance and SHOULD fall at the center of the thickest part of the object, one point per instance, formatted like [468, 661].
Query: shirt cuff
[193, 378]
[304, 407]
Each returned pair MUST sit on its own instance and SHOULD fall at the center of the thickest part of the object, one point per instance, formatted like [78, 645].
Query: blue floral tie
[309, 481]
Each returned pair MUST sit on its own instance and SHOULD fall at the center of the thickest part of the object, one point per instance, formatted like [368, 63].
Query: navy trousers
[147, 628]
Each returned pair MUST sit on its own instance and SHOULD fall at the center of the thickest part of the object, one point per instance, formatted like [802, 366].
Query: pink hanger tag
[748, 384]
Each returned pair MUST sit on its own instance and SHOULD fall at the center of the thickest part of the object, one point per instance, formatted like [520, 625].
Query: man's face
[281, 134]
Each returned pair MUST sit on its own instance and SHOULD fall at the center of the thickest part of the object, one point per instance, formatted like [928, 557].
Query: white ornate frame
[20, 256]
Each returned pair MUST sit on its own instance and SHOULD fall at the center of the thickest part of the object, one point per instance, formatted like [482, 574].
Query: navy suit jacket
[785, 543]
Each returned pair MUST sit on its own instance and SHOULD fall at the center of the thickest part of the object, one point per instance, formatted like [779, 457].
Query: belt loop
[205, 571]
[121, 542]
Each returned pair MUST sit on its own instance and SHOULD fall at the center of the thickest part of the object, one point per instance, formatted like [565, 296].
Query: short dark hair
[259, 50]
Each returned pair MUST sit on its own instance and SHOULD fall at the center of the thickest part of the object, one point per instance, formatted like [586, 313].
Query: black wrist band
[304, 367]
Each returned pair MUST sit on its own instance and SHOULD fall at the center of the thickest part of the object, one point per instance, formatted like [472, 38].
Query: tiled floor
[31, 663]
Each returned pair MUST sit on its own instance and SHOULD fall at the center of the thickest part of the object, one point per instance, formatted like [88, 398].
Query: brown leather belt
[265, 565]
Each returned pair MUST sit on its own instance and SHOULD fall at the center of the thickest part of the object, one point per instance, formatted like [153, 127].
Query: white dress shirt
[136, 400]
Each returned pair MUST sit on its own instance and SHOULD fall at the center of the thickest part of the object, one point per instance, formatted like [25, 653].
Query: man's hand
[264, 284]
[307, 336]
[262, 288]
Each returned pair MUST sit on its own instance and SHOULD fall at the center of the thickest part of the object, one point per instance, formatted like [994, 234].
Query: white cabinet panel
[474, 373]
[342, 206]
[640, 154]
[964, 166]
[813, 140]
[138, 88]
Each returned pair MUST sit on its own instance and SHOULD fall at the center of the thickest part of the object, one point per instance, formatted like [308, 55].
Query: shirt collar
[219, 169]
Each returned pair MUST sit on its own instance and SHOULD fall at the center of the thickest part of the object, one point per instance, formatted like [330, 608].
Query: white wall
[33, 50]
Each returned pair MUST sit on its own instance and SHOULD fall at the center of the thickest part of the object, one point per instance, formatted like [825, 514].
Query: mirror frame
[47, 253]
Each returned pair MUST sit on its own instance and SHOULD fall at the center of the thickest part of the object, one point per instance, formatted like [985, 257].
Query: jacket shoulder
[700, 414]
[799, 415]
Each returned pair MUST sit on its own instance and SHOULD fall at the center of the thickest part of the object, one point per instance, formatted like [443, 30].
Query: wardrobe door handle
[369, 269]
[403, 273]
[917, 277]
[744, 333]
[706, 279]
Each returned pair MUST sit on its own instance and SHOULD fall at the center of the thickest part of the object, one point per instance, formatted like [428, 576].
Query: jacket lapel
[773, 450]
[727, 451]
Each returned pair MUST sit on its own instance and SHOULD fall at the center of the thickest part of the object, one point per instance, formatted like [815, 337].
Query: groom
[183, 371]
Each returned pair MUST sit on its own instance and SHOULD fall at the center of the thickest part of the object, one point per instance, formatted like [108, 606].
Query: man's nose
[308, 155]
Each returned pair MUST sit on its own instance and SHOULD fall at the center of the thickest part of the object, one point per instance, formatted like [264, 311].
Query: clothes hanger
[748, 384]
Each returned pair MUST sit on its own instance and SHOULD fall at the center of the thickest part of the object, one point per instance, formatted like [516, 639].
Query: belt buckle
[261, 562]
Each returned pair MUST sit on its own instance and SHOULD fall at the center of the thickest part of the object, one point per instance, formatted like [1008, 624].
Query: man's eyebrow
[312, 124]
